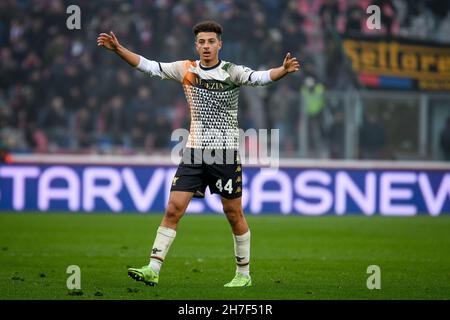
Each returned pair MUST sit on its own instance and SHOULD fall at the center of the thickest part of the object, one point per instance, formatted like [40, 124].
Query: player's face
[208, 45]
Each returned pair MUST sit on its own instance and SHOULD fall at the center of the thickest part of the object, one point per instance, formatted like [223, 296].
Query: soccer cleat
[239, 280]
[144, 274]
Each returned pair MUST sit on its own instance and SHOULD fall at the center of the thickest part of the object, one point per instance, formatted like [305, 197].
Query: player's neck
[209, 63]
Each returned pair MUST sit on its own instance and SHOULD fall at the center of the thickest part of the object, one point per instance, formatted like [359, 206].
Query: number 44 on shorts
[228, 186]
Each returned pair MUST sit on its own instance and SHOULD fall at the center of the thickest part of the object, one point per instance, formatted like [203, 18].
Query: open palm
[290, 64]
[109, 41]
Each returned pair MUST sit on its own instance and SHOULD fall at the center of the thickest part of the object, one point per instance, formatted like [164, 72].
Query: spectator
[421, 24]
[160, 137]
[85, 128]
[442, 35]
[115, 120]
[372, 137]
[354, 17]
[5, 156]
[55, 123]
[328, 12]
[139, 129]
[281, 106]
[313, 97]
[254, 99]
[291, 23]
[336, 136]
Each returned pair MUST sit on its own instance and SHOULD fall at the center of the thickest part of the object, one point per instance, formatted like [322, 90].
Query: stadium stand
[60, 94]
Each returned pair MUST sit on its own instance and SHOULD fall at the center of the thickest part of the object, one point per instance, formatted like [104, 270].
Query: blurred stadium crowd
[59, 92]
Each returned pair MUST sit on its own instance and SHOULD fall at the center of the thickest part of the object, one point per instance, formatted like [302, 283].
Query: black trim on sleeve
[250, 76]
[160, 68]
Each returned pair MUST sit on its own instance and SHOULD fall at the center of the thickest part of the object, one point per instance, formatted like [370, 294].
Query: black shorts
[197, 170]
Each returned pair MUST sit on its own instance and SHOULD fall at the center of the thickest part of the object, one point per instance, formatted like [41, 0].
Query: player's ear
[196, 45]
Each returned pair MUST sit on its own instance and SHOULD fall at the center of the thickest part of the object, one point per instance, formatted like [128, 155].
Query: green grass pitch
[293, 257]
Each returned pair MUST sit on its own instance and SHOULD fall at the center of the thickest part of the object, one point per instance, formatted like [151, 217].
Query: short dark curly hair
[208, 26]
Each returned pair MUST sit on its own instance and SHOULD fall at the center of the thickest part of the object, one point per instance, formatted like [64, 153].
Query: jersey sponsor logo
[209, 84]
[195, 80]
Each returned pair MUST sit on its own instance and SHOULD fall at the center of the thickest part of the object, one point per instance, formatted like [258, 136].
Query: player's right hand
[109, 41]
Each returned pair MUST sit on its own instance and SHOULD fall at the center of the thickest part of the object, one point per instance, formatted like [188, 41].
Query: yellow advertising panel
[399, 64]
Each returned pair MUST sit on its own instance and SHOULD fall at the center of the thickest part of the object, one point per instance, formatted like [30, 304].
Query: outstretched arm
[290, 64]
[246, 76]
[109, 41]
[174, 70]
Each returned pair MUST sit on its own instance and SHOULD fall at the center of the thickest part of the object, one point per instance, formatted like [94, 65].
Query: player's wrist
[118, 49]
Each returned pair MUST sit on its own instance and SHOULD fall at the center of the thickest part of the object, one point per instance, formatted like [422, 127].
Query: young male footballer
[211, 87]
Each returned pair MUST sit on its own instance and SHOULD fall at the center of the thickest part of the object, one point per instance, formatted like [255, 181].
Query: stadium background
[80, 131]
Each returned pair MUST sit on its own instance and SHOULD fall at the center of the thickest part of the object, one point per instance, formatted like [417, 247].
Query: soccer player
[211, 87]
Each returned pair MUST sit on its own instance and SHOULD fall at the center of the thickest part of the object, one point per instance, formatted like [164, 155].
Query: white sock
[242, 253]
[163, 240]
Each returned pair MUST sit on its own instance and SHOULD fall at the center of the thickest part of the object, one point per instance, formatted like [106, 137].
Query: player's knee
[174, 211]
[234, 214]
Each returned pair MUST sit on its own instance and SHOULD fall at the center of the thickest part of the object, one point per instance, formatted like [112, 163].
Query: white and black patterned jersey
[212, 94]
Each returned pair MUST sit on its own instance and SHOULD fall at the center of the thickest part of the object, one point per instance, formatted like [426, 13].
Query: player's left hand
[290, 64]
